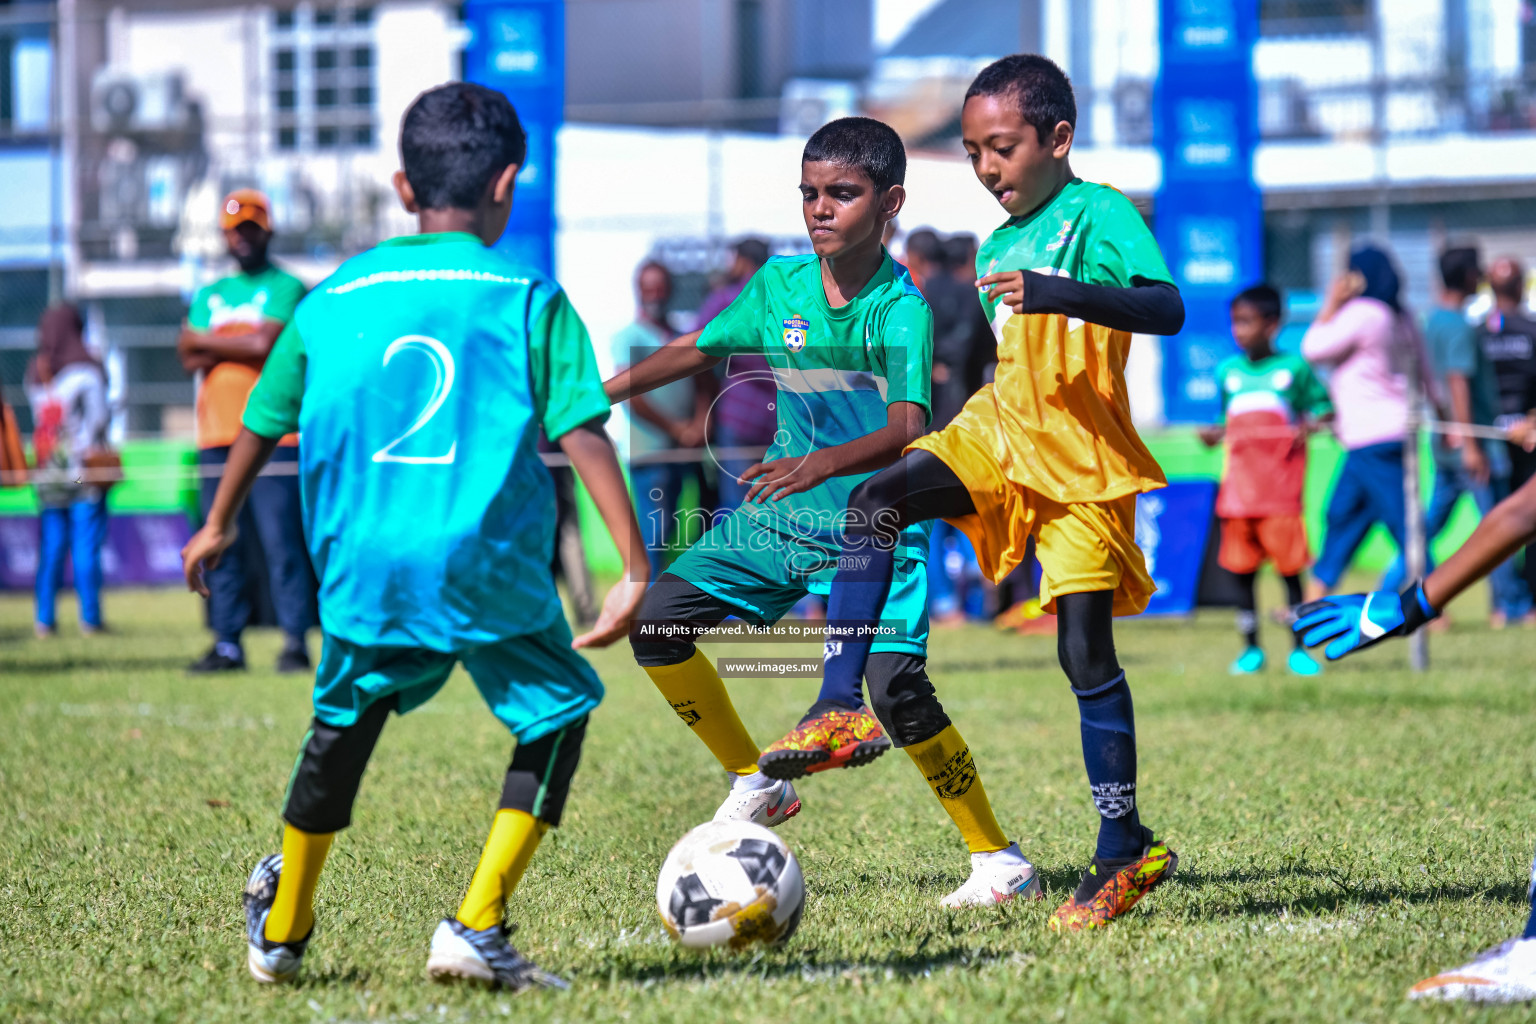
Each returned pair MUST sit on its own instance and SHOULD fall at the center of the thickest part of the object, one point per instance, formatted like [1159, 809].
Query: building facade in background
[121, 124]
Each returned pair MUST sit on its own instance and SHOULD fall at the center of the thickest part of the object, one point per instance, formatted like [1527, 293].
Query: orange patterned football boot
[827, 737]
[1111, 888]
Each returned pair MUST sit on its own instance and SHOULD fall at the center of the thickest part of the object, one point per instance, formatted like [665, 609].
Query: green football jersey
[836, 371]
[1261, 403]
[1057, 416]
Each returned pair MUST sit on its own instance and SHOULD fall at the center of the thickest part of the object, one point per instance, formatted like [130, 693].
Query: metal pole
[1415, 555]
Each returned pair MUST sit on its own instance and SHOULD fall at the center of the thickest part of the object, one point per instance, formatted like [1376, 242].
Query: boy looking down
[1047, 449]
[420, 374]
[849, 339]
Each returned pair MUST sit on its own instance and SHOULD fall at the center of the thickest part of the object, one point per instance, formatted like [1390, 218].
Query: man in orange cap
[230, 329]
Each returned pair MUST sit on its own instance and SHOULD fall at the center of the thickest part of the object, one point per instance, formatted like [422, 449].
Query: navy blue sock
[858, 594]
[1109, 752]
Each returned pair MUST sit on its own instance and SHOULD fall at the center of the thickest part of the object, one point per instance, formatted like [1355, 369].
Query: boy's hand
[1211, 435]
[619, 610]
[783, 477]
[1357, 621]
[202, 552]
[1007, 286]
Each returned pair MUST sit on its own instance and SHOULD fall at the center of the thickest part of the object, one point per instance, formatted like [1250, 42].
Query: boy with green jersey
[1270, 404]
[421, 374]
[849, 339]
[1047, 450]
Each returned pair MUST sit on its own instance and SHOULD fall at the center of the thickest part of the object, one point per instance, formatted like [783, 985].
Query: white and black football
[730, 883]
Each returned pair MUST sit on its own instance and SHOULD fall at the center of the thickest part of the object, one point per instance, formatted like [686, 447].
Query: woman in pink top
[1365, 338]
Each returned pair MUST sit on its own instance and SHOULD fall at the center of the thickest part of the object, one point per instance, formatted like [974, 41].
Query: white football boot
[1504, 974]
[996, 878]
[759, 799]
[459, 953]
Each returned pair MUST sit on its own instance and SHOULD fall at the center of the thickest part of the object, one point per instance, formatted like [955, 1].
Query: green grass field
[1339, 838]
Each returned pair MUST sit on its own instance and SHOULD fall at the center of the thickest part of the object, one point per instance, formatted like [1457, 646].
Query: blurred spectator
[230, 329]
[963, 345]
[1363, 333]
[924, 257]
[743, 415]
[1464, 464]
[1509, 342]
[67, 389]
[667, 418]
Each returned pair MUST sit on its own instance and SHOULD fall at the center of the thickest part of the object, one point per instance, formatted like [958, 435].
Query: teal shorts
[763, 573]
[534, 684]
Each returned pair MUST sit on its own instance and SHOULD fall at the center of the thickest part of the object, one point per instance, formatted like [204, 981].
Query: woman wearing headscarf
[68, 392]
[1367, 339]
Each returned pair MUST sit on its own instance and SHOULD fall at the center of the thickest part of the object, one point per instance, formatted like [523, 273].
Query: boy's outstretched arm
[678, 359]
[1146, 307]
[247, 455]
[592, 456]
[1356, 621]
[904, 423]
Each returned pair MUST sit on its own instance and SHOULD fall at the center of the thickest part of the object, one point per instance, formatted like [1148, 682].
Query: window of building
[1314, 17]
[322, 88]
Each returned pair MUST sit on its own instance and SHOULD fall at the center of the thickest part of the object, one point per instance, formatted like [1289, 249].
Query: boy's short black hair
[1263, 298]
[1458, 265]
[1042, 90]
[870, 146]
[454, 140]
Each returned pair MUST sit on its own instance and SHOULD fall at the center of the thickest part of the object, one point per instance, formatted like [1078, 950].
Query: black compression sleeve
[1147, 307]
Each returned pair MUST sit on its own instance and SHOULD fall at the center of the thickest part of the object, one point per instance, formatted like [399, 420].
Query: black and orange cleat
[1110, 889]
[829, 736]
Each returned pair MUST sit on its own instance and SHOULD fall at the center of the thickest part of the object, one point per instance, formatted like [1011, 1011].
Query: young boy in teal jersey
[850, 342]
[420, 375]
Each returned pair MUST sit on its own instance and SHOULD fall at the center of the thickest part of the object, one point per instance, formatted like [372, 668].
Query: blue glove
[1357, 621]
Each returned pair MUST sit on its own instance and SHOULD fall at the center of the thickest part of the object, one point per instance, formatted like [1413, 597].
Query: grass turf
[1339, 838]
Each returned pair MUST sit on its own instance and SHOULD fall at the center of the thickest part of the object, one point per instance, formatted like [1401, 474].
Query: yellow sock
[293, 905]
[698, 696]
[945, 761]
[514, 837]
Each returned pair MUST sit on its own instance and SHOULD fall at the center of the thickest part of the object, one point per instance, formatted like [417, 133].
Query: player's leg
[87, 534]
[903, 698]
[1504, 974]
[355, 690]
[542, 691]
[1285, 540]
[1252, 658]
[1127, 861]
[674, 613]
[915, 488]
[1241, 555]
[472, 945]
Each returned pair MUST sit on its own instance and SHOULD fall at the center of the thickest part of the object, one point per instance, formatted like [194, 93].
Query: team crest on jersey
[1062, 237]
[794, 332]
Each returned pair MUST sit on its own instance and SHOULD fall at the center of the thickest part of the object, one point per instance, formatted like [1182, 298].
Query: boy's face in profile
[1007, 154]
[1253, 331]
[842, 207]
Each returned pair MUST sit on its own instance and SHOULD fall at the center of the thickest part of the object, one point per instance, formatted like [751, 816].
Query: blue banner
[1172, 527]
[517, 47]
[1209, 218]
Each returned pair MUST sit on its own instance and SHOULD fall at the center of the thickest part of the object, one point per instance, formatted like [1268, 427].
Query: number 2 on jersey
[442, 362]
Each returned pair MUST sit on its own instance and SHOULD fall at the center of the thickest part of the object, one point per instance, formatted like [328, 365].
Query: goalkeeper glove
[1357, 621]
